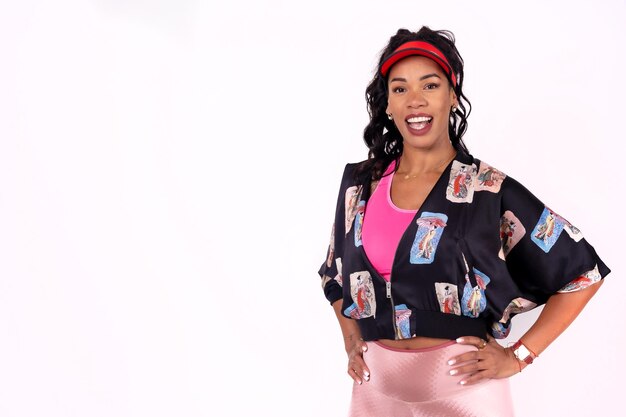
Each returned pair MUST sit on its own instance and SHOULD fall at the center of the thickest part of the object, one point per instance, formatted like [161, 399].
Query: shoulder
[511, 192]
[349, 176]
[352, 166]
[492, 183]
[493, 178]
[485, 176]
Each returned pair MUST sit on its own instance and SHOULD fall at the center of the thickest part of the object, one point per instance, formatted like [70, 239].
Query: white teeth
[418, 126]
[419, 119]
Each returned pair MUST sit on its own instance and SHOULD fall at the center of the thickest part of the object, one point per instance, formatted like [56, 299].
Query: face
[420, 101]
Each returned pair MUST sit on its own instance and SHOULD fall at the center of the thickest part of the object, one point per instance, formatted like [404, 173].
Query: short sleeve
[544, 252]
[330, 270]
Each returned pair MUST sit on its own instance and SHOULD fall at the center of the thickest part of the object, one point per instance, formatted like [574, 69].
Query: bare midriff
[418, 342]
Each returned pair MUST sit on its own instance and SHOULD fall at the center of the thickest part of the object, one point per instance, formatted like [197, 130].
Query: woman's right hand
[357, 369]
[354, 345]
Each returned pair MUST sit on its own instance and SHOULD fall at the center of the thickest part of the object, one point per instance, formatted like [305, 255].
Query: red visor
[418, 48]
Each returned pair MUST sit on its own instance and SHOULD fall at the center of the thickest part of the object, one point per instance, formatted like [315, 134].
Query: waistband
[428, 324]
[418, 350]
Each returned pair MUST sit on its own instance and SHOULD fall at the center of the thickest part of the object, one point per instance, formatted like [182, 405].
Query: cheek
[392, 104]
[445, 107]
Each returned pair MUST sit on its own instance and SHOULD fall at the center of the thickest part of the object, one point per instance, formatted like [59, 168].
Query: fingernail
[367, 377]
[454, 372]
[451, 361]
[364, 348]
[460, 340]
[463, 382]
[367, 374]
[360, 382]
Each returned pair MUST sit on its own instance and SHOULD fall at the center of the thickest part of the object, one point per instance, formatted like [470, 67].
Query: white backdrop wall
[168, 173]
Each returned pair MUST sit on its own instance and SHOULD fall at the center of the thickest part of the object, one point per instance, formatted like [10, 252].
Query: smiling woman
[433, 251]
[420, 100]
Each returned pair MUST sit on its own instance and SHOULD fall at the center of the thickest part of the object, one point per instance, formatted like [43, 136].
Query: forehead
[415, 66]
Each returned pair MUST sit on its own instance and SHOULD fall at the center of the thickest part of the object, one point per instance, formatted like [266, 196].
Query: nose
[416, 99]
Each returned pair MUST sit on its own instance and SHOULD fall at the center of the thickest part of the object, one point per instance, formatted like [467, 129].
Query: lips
[419, 123]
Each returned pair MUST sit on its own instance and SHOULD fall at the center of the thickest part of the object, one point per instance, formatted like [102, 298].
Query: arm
[354, 346]
[349, 328]
[494, 361]
[559, 312]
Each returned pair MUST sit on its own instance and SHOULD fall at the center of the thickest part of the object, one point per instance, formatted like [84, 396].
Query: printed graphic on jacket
[325, 280]
[501, 329]
[548, 229]
[403, 324]
[583, 281]
[461, 184]
[353, 194]
[331, 247]
[359, 223]
[489, 178]
[474, 302]
[516, 306]
[573, 231]
[362, 292]
[448, 297]
[339, 277]
[429, 230]
[511, 231]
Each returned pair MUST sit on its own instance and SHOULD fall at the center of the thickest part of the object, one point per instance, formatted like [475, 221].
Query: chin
[420, 143]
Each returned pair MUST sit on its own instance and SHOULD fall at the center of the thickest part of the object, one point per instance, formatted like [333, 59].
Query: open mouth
[419, 122]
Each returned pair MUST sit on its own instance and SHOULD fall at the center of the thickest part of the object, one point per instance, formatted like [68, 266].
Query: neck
[423, 161]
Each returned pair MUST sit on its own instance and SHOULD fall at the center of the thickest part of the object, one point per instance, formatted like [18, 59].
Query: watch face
[523, 354]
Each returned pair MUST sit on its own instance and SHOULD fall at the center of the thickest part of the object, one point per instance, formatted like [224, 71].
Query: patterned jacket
[480, 250]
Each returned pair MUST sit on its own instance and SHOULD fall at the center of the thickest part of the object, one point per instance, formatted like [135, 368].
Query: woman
[433, 251]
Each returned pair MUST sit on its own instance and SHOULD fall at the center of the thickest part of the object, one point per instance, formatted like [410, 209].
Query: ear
[453, 98]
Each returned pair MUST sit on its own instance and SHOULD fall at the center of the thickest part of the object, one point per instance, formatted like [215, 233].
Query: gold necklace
[407, 176]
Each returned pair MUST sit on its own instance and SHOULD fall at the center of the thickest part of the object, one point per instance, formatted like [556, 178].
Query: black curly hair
[381, 136]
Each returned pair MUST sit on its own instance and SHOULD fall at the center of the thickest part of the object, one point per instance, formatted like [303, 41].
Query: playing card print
[585, 280]
[353, 194]
[500, 330]
[461, 184]
[474, 302]
[548, 229]
[358, 220]
[489, 178]
[511, 231]
[573, 231]
[429, 230]
[362, 292]
[448, 297]
[325, 280]
[403, 324]
[516, 306]
[339, 277]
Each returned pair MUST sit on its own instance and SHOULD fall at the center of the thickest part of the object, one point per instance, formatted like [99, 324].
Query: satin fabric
[416, 383]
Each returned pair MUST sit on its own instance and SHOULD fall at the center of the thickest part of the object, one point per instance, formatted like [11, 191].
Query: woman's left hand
[491, 360]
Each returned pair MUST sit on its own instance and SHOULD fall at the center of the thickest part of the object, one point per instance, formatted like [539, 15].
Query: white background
[168, 175]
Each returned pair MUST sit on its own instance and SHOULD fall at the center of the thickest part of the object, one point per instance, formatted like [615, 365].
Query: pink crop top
[383, 225]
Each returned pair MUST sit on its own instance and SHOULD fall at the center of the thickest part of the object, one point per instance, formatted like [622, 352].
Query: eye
[431, 86]
[398, 89]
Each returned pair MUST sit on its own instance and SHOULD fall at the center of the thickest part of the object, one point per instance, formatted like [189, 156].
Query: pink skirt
[416, 383]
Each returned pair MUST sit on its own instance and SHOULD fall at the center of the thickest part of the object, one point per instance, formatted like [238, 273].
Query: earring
[389, 116]
[453, 109]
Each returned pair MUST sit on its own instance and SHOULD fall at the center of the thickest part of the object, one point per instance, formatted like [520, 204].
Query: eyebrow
[423, 77]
